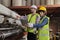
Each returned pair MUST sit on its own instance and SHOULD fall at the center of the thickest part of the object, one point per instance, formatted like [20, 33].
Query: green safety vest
[43, 33]
[32, 19]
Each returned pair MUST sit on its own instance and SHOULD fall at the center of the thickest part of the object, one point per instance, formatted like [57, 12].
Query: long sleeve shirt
[45, 21]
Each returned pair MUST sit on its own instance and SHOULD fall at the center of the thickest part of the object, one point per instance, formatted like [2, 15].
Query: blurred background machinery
[10, 26]
[9, 29]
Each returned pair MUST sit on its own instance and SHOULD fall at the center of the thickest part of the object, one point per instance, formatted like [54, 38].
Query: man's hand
[30, 25]
[17, 16]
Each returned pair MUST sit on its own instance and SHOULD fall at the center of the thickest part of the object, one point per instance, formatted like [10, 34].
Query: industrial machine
[10, 24]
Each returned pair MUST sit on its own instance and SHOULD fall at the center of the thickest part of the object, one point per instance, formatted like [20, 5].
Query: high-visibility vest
[32, 19]
[43, 33]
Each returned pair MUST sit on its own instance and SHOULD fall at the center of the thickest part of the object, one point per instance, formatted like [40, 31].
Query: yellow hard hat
[42, 8]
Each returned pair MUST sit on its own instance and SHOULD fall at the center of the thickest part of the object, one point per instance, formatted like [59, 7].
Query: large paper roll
[50, 2]
[57, 1]
[5, 11]
[6, 2]
[17, 2]
[1, 18]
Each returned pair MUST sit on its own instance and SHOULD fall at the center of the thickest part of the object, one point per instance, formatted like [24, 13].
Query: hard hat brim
[33, 8]
[41, 11]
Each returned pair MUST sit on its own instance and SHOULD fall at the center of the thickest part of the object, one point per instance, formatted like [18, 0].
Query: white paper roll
[5, 11]
[17, 2]
[6, 2]
[23, 2]
[57, 1]
[1, 18]
[50, 2]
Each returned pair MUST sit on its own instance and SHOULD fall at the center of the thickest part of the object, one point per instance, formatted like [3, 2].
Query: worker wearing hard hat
[43, 25]
[33, 17]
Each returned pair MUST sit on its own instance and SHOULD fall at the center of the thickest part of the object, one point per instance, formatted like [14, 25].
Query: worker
[43, 25]
[32, 18]
[51, 34]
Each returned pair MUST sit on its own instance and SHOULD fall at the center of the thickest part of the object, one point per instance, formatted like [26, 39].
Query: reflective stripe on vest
[44, 29]
[44, 35]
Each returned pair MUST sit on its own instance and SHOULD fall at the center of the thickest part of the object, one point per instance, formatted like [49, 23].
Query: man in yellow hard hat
[43, 25]
[33, 17]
